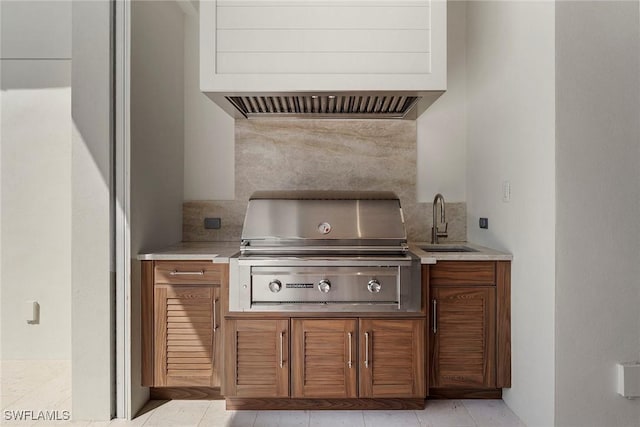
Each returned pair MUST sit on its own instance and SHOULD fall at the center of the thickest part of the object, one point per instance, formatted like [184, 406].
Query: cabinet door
[323, 358]
[186, 335]
[392, 358]
[463, 337]
[257, 362]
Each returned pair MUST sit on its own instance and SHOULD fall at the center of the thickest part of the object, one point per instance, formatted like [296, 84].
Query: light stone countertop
[217, 252]
[220, 252]
[481, 253]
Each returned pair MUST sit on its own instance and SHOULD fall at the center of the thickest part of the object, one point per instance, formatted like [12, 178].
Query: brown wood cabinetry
[330, 358]
[392, 358]
[463, 334]
[187, 335]
[356, 361]
[469, 327]
[324, 358]
[257, 363]
[181, 323]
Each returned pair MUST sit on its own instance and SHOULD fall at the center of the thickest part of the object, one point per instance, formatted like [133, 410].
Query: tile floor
[47, 386]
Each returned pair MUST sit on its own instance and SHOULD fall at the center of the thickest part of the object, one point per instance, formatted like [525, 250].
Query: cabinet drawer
[463, 273]
[188, 272]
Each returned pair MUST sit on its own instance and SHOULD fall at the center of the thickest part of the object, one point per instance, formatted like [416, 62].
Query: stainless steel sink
[447, 248]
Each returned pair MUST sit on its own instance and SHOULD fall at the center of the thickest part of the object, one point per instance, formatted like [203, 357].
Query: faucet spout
[435, 233]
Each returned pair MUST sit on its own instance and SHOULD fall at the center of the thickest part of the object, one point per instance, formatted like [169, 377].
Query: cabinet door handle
[282, 349]
[434, 314]
[366, 349]
[215, 317]
[186, 273]
[350, 363]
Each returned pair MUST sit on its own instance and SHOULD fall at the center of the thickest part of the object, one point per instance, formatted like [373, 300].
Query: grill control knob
[275, 286]
[374, 286]
[324, 286]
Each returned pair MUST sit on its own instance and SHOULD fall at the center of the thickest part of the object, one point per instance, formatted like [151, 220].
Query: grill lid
[304, 221]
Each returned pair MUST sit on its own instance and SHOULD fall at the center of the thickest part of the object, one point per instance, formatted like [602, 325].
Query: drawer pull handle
[187, 273]
[366, 349]
[281, 349]
[215, 318]
[349, 363]
[434, 315]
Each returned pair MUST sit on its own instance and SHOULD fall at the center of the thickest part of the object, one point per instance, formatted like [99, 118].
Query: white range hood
[323, 59]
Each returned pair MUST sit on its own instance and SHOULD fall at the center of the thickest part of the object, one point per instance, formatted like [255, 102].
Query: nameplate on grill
[299, 285]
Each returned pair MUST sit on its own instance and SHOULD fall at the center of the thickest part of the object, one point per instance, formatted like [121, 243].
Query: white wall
[209, 172]
[442, 128]
[36, 207]
[92, 268]
[598, 203]
[157, 124]
[157, 147]
[36, 29]
[35, 135]
[511, 136]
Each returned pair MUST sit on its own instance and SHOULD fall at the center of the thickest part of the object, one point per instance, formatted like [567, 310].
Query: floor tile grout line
[415, 414]
[475, 422]
[520, 422]
[148, 418]
[203, 414]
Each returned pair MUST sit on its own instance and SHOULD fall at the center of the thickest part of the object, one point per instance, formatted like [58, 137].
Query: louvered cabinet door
[392, 358]
[187, 335]
[257, 359]
[463, 337]
[323, 358]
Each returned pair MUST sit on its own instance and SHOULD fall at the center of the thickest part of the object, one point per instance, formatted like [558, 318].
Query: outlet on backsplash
[212, 223]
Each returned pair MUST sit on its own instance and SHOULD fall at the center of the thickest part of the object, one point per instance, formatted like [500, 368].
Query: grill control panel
[325, 285]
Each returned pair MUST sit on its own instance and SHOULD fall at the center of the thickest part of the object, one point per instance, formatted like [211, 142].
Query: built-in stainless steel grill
[324, 251]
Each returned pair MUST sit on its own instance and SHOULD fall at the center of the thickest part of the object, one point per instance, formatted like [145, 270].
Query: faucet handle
[443, 233]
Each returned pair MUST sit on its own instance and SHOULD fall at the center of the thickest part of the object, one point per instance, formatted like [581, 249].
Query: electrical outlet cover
[212, 223]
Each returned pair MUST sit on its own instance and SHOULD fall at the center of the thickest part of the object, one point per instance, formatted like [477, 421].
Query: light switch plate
[629, 379]
[506, 191]
[32, 312]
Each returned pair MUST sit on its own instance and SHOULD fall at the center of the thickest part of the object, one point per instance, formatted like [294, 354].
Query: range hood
[344, 105]
[365, 59]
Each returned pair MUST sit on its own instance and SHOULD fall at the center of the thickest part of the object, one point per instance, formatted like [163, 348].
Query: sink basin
[447, 248]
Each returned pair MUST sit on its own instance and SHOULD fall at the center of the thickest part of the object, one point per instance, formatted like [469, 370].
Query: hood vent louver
[325, 106]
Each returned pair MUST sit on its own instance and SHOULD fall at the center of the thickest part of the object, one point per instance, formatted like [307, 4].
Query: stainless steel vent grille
[366, 106]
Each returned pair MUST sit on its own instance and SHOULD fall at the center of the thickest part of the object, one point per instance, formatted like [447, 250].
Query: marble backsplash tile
[321, 155]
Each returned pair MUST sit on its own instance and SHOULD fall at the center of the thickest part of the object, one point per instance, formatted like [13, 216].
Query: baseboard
[322, 404]
[186, 393]
[465, 393]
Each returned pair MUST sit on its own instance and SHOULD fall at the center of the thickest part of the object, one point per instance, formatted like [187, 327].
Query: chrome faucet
[434, 230]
